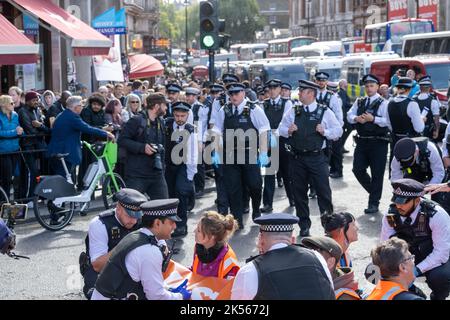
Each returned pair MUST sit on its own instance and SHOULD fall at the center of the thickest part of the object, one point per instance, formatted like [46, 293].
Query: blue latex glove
[263, 160]
[273, 140]
[182, 288]
[215, 159]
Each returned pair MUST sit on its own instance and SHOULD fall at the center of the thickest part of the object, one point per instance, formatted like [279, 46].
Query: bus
[319, 49]
[282, 48]
[388, 36]
[426, 44]
[287, 70]
[351, 45]
[330, 65]
[355, 66]
[255, 51]
[236, 49]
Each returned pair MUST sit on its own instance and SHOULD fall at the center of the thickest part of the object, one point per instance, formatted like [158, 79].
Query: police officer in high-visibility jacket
[394, 270]
[426, 228]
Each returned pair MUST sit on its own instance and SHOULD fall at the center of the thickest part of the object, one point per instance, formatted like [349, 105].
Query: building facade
[335, 19]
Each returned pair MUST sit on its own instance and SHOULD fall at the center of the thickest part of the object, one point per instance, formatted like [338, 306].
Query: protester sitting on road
[345, 286]
[9, 129]
[395, 267]
[342, 228]
[213, 256]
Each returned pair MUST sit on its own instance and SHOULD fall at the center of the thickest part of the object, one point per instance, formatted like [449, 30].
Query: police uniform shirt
[440, 228]
[413, 112]
[216, 106]
[288, 105]
[436, 165]
[381, 116]
[202, 124]
[332, 128]
[144, 264]
[245, 285]
[192, 149]
[444, 143]
[257, 116]
[335, 105]
[98, 238]
[435, 106]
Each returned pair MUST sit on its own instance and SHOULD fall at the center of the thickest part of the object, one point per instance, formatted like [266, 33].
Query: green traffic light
[208, 41]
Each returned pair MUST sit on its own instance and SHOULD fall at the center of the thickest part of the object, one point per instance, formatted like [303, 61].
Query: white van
[330, 65]
[319, 49]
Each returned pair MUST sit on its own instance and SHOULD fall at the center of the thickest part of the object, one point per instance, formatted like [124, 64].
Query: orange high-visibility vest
[386, 290]
[228, 262]
[342, 291]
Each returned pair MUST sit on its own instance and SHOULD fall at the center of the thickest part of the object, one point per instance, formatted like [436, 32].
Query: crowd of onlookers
[26, 120]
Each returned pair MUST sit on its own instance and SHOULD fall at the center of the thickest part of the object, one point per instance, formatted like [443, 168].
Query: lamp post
[186, 3]
[308, 6]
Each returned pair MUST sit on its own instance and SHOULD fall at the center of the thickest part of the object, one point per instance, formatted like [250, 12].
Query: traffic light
[210, 25]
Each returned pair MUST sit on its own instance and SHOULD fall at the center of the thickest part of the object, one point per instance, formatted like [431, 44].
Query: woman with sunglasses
[133, 107]
[342, 228]
[10, 131]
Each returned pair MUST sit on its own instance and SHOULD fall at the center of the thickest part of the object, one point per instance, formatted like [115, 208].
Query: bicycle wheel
[108, 190]
[51, 217]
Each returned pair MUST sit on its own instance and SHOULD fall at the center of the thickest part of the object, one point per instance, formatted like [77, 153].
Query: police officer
[181, 160]
[227, 79]
[331, 100]
[418, 159]
[404, 117]
[173, 91]
[143, 139]
[307, 126]
[369, 114]
[425, 226]
[286, 90]
[105, 233]
[200, 113]
[261, 95]
[282, 271]
[430, 108]
[274, 108]
[134, 270]
[240, 156]
[217, 92]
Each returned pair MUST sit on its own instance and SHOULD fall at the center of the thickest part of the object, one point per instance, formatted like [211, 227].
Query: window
[273, 20]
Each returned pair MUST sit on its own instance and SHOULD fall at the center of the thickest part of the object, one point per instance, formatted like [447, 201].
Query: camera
[158, 164]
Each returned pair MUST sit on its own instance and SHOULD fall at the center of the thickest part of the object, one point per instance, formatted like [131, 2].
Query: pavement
[53, 271]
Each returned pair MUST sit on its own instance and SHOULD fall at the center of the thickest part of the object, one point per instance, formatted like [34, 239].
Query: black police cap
[181, 106]
[216, 88]
[425, 81]
[407, 189]
[322, 76]
[277, 222]
[370, 78]
[273, 83]
[286, 86]
[405, 82]
[173, 87]
[131, 200]
[235, 87]
[405, 149]
[161, 209]
[305, 84]
[228, 78]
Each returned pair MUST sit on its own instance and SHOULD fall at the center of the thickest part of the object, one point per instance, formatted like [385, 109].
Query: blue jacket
[8, 130]
[66, 136]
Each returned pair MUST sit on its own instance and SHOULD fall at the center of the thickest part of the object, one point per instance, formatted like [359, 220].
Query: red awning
[144, 66]
[85, 40]
[15, 48]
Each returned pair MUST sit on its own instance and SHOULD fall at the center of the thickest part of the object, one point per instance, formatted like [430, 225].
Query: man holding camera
[143, 138]
[181, 161]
